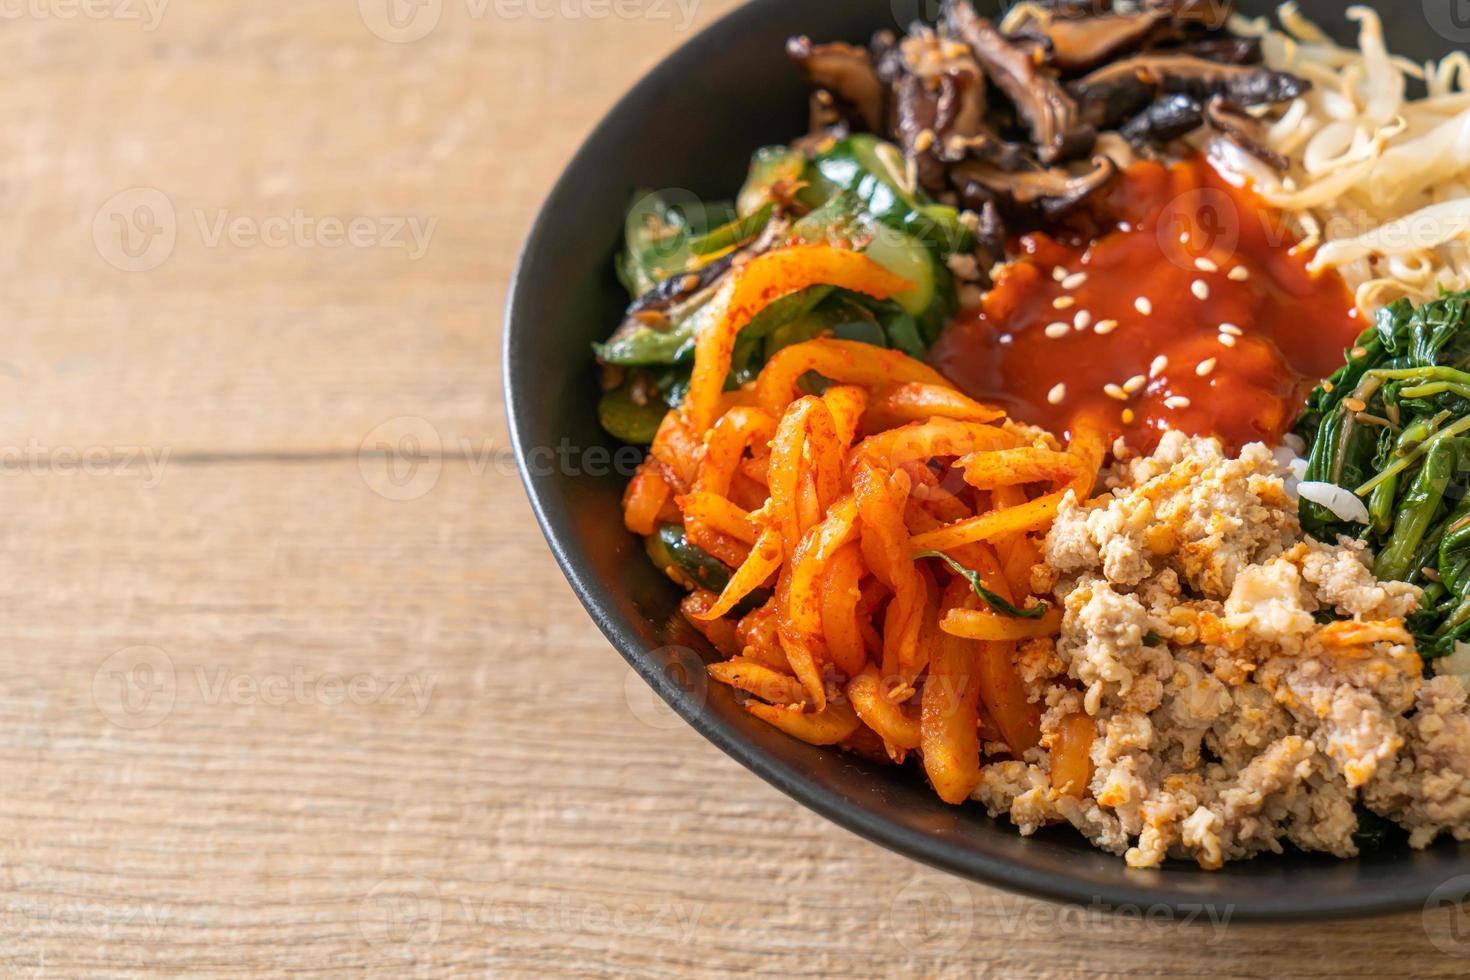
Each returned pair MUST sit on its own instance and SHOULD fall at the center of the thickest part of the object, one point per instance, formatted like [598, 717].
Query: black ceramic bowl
[692, 124]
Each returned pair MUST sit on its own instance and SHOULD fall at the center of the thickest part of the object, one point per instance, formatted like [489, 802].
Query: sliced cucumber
[669, 548]
[629, 421]
[770, 166]
[904, 256]
[874, 171]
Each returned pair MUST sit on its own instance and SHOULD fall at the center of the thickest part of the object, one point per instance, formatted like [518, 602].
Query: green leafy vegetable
[1393, 426]
[994, 601]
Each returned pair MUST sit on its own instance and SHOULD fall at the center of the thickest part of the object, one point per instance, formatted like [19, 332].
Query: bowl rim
[1131, 890]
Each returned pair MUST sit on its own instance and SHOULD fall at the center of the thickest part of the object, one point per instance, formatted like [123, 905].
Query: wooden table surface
[268, 705]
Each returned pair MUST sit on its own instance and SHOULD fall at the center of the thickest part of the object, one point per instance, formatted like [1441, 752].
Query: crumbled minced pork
[1229, 719]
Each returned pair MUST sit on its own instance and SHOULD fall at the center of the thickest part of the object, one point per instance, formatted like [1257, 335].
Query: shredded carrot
[763, 280]
[843, 361]
[878, 710]
[646, 495]
[975, 625]
[919, 402]
[829, 501]
[950, 735]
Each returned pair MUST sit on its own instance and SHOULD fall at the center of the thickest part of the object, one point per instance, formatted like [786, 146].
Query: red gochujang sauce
[1185, 307]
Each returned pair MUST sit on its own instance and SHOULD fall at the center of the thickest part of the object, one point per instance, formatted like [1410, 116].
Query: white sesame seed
[1205, 367]
[1200, 288]
[1176, 401]
[1059, 273]
[1144, 306]
[1157, 367]
[1064, 302]
[1205, 265]
[1134, 383]
[1239, 274]
[1074, 281]
[1128, 416]
[1184, 238]
[1055, 330]
[1113, 391]
[1226, 340]
[1105, 327]
[1232, 330]
[1083, 320]
[1057, 393]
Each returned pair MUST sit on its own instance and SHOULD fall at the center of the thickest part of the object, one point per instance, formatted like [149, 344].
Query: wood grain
[255, 715]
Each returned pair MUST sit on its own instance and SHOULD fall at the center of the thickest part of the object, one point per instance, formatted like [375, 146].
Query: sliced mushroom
[1045, 192]
[1050, 113]
[847, 72]
[931, 57]
[1118, 91]
[1227, 49]
[962, 103]
[1166, 120]
[1244, 130]
[990, 240]
[1211, 15]
[1082, 43]
[916, 125]
[1075, 8]
[963, 130]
